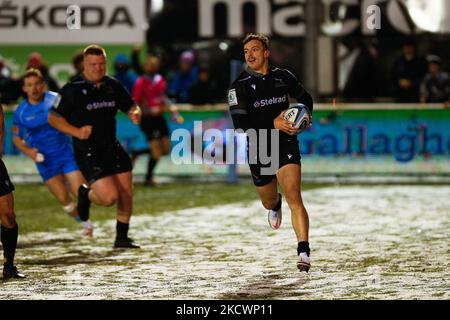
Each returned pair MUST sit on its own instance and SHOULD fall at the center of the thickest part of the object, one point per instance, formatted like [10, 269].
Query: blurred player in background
[150, 92]
[49, 148]
[87, 111]
[9, 232]
[261, 82]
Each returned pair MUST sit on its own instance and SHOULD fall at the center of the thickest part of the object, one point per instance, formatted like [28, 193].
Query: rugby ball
[298, 114]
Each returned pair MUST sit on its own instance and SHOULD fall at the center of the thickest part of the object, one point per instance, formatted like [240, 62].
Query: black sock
[278, 205]
[303, 246]
[122, 230]
[150, 167]
[9, 241]
[83, 202]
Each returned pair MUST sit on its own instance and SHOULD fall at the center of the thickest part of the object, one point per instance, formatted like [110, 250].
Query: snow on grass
[379, 242]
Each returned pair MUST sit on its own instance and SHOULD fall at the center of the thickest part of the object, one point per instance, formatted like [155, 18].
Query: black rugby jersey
[82, 103]
[255, 100]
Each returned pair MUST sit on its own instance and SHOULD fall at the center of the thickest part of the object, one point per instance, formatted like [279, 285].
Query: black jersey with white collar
[255, 100]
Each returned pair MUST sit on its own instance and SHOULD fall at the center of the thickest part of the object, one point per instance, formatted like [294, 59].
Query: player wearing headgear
[257, 100]
[47, 147]
[87, 111]
[9, 230]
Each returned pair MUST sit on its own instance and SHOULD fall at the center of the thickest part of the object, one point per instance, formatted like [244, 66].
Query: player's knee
[109, 199]
[270, 203]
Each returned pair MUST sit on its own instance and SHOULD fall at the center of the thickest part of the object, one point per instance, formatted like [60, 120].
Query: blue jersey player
[48, 148]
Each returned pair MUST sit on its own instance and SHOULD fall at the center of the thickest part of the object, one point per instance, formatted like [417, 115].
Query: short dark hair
[95, 50]
[33, 73]
[260, 37]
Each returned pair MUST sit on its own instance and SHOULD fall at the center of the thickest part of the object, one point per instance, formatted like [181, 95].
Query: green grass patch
[38, 211]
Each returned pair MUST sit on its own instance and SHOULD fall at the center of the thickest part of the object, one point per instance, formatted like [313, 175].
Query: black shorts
[6, 185]
[289, 152]
[97, 163]
[154, 127]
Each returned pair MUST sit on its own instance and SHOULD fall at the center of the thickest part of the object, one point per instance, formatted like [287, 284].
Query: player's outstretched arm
[61, 124]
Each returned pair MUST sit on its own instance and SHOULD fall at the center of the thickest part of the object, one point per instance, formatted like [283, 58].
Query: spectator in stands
[407, 73]
[204, 90]
[135, 60]
[184, 77]
[435, 87]
[364, 77]
[123, 72]
[35, 61]
[77, 63]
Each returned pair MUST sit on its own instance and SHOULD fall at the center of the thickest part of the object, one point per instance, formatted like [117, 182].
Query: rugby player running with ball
[257, 100]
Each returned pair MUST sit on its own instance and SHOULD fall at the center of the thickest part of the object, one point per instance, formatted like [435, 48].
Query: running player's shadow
[44, 243]
[271, 286]
[70, 252]
[76, 257]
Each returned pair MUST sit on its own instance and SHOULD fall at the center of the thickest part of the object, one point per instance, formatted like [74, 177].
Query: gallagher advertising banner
[379, 140]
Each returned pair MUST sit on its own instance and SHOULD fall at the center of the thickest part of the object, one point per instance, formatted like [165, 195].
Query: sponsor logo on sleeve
[57, 101]
[232, 97]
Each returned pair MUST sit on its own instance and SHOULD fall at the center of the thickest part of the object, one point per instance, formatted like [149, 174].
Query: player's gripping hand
[283, 125]
[84, 132]
[33, 154]
[135, 114]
